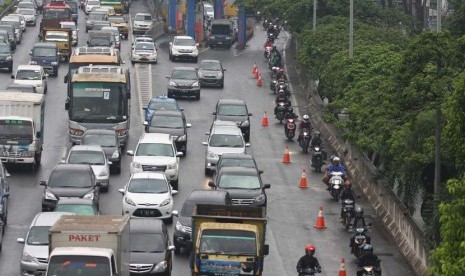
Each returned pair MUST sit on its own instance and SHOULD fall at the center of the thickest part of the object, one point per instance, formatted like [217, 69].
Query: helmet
[358, 210]
[274, 47]
[305, 117]
[310, 248]
[332, 157]
[336, 159]
[368, 248]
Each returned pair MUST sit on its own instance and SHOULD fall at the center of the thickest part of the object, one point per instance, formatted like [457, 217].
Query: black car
[24, 88]
[150, 248]
[108, 140]
[243, 184]
[182, 235]
[170, 122]
[6, 57]
[4, 194]
[211, 73]
[184, 82]
[70, 180]
[236, 160]
[234, 110]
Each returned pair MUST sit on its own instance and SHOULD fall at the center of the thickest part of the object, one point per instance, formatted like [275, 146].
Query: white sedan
[148, 194]
[144, 52]
[31, 75]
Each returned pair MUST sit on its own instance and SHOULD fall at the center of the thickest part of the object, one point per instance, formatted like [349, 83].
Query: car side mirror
[247, 145]
[121, 191]
[30, 53]
[181, 108]
[145, 123]
[171, 43]
[98, 184]
[179, 154]
[67, 106]
[65, 79]
[266, 249]
[12, 76]
[144, 108]
[197, 45]
[20, 240]
[205, 143]
[171, 248]
[175, 213]
[62, 161]
[43, 183]
[173, 192]
[211, 184]
[260, 171]
[38, 134]
[130, 152]
[7, 194]
[250, 114]
[167, 77]
[188, 125]
[224, 69]
[110, 163]
[266, 186]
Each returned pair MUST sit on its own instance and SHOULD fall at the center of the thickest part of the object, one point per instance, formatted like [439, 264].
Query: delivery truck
[89, 245]
[228, 240]
[21, 127]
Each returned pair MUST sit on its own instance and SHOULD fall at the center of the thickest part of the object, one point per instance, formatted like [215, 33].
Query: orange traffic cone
[265, 119]
[303, 180]
[255, 68]
[320, 221]
[259, 81]
[342, 270]
[287, 156]
[256, 74]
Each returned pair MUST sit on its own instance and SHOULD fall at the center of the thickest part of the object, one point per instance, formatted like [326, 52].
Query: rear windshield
[220, 29]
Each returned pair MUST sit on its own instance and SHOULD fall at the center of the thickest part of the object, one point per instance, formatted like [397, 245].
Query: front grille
[140, 268]
[153, 168]
[183, 86]
[242, 201]
[185, 51]
[10, 154]
[150, 213]
[42, 260]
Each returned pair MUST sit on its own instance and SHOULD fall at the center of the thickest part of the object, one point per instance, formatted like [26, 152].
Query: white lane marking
[130, 29]
[139, 97]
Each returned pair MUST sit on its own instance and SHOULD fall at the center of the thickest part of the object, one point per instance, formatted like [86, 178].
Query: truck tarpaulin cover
[226, 268]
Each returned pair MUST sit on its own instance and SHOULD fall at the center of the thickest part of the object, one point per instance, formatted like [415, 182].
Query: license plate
[290, 126]
[147, 213]
[359, 237]
[336, 187]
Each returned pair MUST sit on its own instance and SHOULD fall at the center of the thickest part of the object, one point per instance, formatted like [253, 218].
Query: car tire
[247, 137]
[175, 184]
[170, 56]
[177, 248]
[197, 97]
[10, 69]
[118, 169]
[207, 171]
[169, 220]
[105, 189]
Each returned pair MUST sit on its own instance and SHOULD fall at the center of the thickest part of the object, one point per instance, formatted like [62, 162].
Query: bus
[54, 13]
[99, 98]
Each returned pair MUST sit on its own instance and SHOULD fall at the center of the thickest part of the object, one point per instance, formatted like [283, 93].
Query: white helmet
[305, 117]
[336, 159]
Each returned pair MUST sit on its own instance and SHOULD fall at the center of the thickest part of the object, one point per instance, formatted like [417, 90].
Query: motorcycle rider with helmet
[346, 193]
[304, 124]
[268, 43]
[359, 216]
[281, 98]
[334, 167]
[358, 232]
[368, 259]
[308, 260]
[272, 30]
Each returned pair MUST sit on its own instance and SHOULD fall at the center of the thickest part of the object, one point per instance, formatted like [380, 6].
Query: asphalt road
[292, 212]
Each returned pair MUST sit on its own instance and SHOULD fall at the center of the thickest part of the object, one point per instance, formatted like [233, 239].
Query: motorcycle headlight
[115, 155]
[50, 196]
[165, 202]
[129, 201]
[212, 155]
[89, 196]
[104, 172]
[53, 63]
[162, 266]
[182, 138]
[317, 148]
[172, 83]
[27, 258]
[260, 199]
[195, 84]
[305, 133]
[212, 37]
[8, 58]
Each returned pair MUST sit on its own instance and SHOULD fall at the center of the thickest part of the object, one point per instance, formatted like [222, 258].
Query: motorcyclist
[272, 30]
[308, 260]
[281, 98]
[281, 75]
[334, 167]
[268, 43]
[358, 232]
[304, 124]
[316, 140]
[368, 259]
[346, 193]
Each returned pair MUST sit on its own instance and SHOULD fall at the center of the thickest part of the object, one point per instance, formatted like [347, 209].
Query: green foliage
[449, 257]
[455, 22]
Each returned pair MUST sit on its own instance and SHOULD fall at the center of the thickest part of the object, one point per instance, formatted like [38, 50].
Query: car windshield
[70, 178]
[116, 20]
[10, 22]
[27, 12]
[208, 8]
[148, 186]
[99, 41]
[25, 74]
[61, 37]
[248, 163]
[155, 149]
[222, 241]
[86, 157]
[167, 122]
[232, 110]
[26, 5]
[213, 66]
[38, 235]
[163, 105]
[184, 75]
[145, 47]
[149, 243]
[100, 140]
[143, 17]
[44, 52]
[235, 181]
[226, 141]
[78, 209]
[184, 42]
[4, 48]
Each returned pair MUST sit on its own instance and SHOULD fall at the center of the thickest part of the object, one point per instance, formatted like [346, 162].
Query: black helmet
[368, 248]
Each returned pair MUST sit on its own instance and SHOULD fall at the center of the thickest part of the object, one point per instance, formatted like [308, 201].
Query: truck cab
[46, 55]
[63, 39]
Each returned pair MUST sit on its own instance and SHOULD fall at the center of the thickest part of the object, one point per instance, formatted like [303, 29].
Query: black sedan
[237, 160]
[184, 82]
[108, 140]
[234, 110]
[211, 73]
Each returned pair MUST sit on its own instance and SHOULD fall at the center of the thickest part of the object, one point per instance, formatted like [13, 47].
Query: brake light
[121, 132]
[77, 132]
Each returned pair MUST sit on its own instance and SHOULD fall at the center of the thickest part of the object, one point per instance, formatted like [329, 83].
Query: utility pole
[351, 30]
[314, 15]
[439, 15]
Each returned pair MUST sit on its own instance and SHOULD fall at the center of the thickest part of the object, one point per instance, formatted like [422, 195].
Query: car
[34, 259]
[110, 11]
[160, 103]
[6, 56]
[142, 23]
[211, 73]
[30, 15]
[46, 54]
[224, 137]
[156, 152]
[221, 33]
[95, 156]
[26, 5]
[183, 47]
[150, 250]
[182, 234]
[24, 88]
[73, 28]
[14, 22]
[148, 194]
[208, 14]
[121, 24]
[108, 140]
[78, 206]
[184, 82]
[74, 9]
[234, 110]
[11, 35]
[90, 4]
[4, 194]
[115, 32]
[142, 38]
[236, 160]
[21, 18]
[31, 74]
[93, 18]
[243, 184]
[99, 25]
[100, 39]
[144, 52]
[70, 180]
[172, 122]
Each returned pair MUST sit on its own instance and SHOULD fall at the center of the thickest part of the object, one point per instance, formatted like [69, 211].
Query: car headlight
[212, 37]
[200, 74]
[115, 155]
[245, 123]
[136, 165]
[182, 138]
[260, 199]
[104, 172]
[219, 75]
[33, 62]
[212, 155]
[54, 63]
[8, 58]
[172, 83]
[171, 166]
[89, 196]
[129, 201]
[136, 25]
[162, 266]
[195, 84]
[165, 202]
[50, 196]
[27, 258]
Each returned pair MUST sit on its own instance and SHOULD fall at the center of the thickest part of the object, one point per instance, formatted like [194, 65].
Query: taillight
[77, 132]
[121, 132]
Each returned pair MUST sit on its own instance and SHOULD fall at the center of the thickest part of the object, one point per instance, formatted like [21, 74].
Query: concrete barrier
[404, 231]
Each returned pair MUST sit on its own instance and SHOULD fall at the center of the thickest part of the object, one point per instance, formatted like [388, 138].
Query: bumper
[30, 23]
[137, 58]
[26, 160]
[211, 81]
[192, 55]
[141, 30]
[30, 268]
[164, 212]
[177, 92]
[215, 42]
[6, 63]
[50, 69]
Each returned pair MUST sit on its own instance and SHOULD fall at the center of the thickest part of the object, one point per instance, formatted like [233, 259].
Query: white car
[16, 23]
[184, 47]
[72, 26]
[30, 15]
[156, 152]
[21, 18]
[94, 156]
[31, 75]
[144, 52]
[148, 194]
[143, 22]
[90, 4]
[142, 39]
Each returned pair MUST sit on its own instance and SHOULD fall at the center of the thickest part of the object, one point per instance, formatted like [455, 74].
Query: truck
[21, 127]
[63, 39]
[55, 12]
[89, 245]
[228, 240]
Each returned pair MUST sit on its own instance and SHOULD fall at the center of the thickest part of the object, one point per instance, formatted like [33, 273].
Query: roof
[89, 59]
[237, 156]
[47, 218]
[120, 78]
[67, 23]
[142, 13]
[84, 251]
[210, 60]
[146, 225]
[169, 113]
[22, 97]
[179, 68]
[148, 175]
[232, 101]
[183, 37]
[162, 138]
[239, 171]
[221, 21]
[88, 50]
[163, 99]
[45, 44]
[86, 148]
[112, 224]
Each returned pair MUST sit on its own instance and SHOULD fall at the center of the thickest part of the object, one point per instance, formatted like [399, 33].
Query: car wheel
[197, 97]
[170, 57]
[177, 248]
[10, 69]
[118, 169]
[207, 171]
[105, 189]
[175, 184]
[169, 220]
[247, 137]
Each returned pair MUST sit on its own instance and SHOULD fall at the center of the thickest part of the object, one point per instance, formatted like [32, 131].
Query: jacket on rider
[347, 193]
[308, 261]
[304, 125]
[337, 168]
[352, 239]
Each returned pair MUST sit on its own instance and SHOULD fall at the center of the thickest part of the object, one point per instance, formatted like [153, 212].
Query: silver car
[115, 32]
[35, 252]
[94, 156]
[143, 23]
[94, 17]
[30, 15]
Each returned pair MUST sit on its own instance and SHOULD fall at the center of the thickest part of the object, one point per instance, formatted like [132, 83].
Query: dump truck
[89, 245]
[21, 127]
[63, 39]
[228, 240]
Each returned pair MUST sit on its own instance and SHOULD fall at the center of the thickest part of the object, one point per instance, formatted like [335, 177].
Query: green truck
[228, 240]
[118, 5]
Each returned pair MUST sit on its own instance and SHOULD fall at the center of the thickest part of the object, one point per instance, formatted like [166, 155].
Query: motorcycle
[271, 37]
[307, 272]
[266, 54]
[281, 111]
[335, 183]
[317, 158]
[282, 85]
[289, 129]
[266, 23]
[359, 243]
[348, 206]
[371, 271]
[305, 140]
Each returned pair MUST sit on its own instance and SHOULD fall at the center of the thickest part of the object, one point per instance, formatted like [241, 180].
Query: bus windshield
[57, 14]
[98, 102]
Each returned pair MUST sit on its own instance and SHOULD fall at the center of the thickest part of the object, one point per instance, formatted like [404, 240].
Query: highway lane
[291, 213]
